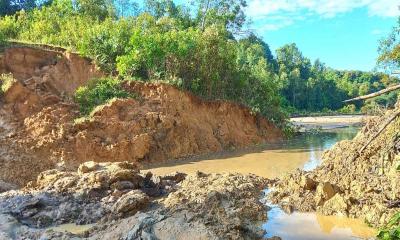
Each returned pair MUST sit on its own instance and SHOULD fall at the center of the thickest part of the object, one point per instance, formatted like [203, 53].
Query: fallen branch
[375, 94]
[391, 119]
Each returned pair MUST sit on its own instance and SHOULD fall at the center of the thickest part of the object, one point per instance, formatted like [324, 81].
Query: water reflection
[309, 226]
[272, 160]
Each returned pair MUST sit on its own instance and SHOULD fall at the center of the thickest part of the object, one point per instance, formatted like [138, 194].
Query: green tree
[389, 49]
[9, 7]
[228, 13]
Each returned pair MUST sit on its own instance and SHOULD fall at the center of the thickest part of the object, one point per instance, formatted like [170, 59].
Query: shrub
[9, 27]
[371, 108]
[392, 230]
[98, 92]
[6, 80]
[348, 109]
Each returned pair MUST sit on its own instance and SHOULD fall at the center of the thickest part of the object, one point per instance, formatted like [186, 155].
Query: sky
[344, 34]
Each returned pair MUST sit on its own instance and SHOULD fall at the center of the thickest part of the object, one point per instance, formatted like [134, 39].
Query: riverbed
[274, 160]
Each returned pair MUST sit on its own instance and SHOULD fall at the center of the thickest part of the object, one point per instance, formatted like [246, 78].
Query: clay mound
[163, 123]
[362, 185]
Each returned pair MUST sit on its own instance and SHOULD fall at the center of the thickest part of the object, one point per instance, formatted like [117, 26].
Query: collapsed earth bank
[359, 178]
[39, 131]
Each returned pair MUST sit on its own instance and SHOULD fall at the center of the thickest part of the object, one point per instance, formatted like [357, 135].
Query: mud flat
[328, 122]
[125, 203]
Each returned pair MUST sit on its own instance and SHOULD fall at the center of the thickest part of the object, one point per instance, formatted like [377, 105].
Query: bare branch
[375, 94]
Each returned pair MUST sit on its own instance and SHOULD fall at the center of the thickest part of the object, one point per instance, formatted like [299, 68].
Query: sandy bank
[328, 122]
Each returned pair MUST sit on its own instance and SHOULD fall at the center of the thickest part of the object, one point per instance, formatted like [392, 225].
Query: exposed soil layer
[38, 131]
[128, 204]
[350, 182]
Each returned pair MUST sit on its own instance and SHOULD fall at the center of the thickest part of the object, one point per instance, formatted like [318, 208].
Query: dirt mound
[358, 178]
[128, 204]
[162, 123]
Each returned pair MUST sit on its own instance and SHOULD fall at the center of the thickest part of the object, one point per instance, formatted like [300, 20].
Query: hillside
[161, 123]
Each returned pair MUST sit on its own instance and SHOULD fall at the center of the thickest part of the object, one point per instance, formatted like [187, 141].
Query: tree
[96, 9]
[389, 49]
[228, 13]
[294, 71]
[161, 8]
[9, 7]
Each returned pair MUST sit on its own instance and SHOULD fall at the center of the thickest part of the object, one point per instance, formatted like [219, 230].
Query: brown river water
[275, 160]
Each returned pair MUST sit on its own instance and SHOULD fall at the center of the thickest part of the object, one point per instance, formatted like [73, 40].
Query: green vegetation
[98, 92]
[6, 81]
[389, 49]
[392, 230]
[203, 48]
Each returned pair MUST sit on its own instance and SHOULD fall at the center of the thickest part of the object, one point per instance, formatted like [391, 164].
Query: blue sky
[342, 33]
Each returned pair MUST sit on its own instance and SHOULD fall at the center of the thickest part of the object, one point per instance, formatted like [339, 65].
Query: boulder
[131, 203]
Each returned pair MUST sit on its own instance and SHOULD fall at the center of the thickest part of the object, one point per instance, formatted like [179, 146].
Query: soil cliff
[38, 130]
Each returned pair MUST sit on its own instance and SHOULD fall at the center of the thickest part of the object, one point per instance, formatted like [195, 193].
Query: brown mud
[39, 131]
[126, 203]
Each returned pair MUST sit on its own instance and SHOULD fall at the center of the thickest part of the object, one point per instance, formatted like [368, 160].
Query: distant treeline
[202, 47]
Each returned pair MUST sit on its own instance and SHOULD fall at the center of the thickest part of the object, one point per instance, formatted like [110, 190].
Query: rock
[122, 185]
[308, 183]
[176, 177]
[127, 175]
[87, 167]
[131, 203]
[337, 205]
[287, 208]
[324, 192]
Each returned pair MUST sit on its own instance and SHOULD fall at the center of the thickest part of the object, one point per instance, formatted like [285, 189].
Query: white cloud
[267, 9]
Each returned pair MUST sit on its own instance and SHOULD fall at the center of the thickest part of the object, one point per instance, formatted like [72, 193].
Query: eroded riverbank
[276, 160]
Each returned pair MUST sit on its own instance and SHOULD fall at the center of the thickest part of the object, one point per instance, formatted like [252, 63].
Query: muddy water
[312, 226]
[274, 160]
[269, 161]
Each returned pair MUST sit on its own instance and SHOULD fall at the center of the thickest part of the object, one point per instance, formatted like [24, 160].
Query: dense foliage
[98, 92]
[202, 48]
